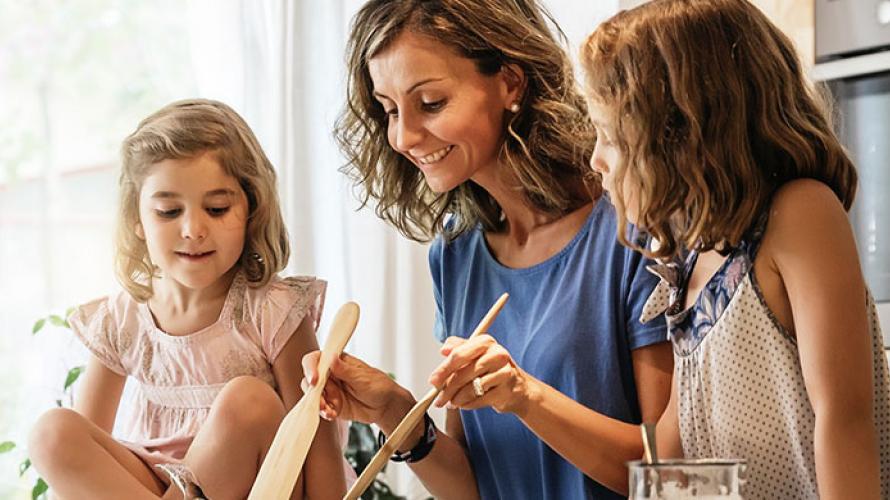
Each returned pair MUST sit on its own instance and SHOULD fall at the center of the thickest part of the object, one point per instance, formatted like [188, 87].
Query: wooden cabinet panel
[796, 19]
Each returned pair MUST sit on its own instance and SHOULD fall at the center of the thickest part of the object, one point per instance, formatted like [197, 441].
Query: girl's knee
[54, 434]
[248, 401]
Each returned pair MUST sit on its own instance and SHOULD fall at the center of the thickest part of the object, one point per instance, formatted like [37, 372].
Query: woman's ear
[140, 232]
[514, 85]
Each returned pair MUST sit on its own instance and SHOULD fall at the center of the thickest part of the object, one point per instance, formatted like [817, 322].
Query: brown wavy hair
[186, 129]
[546, 144]
[713, 113]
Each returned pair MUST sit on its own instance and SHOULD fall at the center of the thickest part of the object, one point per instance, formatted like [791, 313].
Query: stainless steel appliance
[853, 42]
[847, 28]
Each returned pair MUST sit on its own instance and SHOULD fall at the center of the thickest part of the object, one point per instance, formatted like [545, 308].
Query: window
[75, 79]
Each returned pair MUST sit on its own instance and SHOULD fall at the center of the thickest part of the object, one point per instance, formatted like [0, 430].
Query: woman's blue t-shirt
[572, 322]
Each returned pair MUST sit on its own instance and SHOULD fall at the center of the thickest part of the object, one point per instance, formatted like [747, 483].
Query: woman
[469, 108]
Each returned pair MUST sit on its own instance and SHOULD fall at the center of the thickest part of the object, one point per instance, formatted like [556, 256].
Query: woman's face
[443, 115]
[607, 157]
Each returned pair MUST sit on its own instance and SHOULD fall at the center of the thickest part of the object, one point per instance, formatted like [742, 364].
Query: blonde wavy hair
[546, 144]
[713, 113]
[186, 129]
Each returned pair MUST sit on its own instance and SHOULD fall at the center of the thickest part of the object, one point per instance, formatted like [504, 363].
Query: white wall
[629, 4]
[579, 19]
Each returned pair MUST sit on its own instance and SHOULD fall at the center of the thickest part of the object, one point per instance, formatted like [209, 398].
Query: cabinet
[797, 19]
[794, 17]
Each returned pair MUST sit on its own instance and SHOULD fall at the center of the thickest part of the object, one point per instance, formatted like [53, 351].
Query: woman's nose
[406, 134]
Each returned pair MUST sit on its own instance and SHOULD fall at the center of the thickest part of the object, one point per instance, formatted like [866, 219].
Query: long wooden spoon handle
[488, 319]
[284, 461]
[341, 331]
[412, 418]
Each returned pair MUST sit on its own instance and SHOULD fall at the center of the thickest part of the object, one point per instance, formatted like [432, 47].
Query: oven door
[864, 106]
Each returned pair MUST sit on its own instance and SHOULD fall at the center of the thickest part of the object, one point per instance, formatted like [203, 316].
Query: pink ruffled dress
[177, 377]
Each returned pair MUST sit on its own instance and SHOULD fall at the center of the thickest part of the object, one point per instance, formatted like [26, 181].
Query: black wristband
[421, 450]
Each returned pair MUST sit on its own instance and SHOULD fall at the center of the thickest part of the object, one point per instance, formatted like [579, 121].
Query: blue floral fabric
[688, 327]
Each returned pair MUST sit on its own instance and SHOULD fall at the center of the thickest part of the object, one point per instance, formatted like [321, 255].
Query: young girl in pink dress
[208, 332]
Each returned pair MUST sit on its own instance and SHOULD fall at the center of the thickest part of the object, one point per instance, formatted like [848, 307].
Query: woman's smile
[434, 157]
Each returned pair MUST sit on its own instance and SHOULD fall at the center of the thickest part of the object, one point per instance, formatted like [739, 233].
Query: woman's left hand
[502, 384]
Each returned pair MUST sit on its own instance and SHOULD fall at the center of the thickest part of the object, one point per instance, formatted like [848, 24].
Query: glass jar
[681, 479]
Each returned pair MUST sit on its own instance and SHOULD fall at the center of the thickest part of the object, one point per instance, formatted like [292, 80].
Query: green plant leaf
[39, 489]
[24, 466]
[360, 449]
[73, 374]
[58, 320]
[38, 325]
[69, 312]
[6, 446]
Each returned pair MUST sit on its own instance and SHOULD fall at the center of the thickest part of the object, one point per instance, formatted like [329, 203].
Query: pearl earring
[514, 108]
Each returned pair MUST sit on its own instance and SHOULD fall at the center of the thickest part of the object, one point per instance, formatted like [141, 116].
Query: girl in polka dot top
[711, 140]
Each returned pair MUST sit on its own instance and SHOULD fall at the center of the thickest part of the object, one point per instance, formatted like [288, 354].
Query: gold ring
[478, 390]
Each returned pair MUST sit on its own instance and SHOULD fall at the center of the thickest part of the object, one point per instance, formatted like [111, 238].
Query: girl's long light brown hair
[546, 144]
[186, 129]
[713, 113]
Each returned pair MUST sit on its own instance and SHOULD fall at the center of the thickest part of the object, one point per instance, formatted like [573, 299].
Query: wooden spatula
[284, 462]
[414, 416]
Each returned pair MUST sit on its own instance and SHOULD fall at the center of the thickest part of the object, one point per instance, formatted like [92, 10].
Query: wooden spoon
[284, 461]
[410, 421]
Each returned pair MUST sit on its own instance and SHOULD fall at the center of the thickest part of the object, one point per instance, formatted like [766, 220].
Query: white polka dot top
[741, 390]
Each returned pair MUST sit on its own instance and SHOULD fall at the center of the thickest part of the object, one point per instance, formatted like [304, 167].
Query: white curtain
[290, 55]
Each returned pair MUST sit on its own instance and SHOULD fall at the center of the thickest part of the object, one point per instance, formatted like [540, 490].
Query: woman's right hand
[357, 391]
